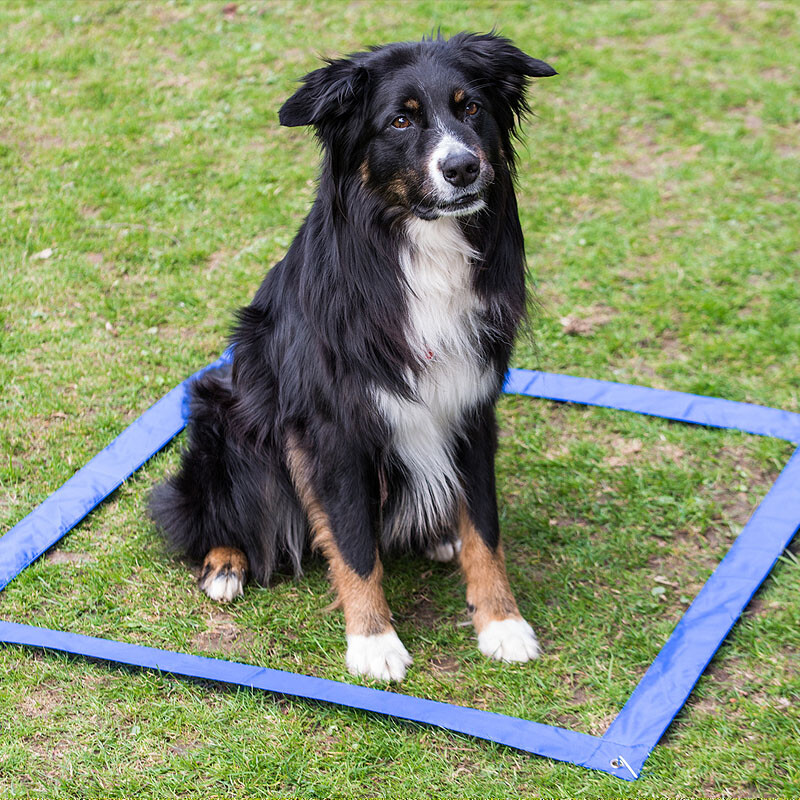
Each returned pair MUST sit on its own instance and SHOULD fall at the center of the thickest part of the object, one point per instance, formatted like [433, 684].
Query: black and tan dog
[358, 413]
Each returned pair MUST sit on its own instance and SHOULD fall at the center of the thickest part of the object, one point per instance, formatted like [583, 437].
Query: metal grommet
[619, 762]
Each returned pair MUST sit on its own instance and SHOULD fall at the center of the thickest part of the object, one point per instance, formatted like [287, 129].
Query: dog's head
[425, 125]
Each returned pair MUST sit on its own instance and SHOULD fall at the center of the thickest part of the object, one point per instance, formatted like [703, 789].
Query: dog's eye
[471, 109]
[401, 122]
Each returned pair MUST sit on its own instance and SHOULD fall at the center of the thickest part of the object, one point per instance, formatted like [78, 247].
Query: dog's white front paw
[381, 656]
[508, 640]
[444, 551]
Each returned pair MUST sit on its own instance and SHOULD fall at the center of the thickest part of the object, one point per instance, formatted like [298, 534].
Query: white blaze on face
[446, 147]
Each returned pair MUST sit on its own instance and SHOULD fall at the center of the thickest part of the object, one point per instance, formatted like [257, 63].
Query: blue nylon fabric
[91, 484]
[532, 737]
[651, 707]
[681, 406]
[697, 636]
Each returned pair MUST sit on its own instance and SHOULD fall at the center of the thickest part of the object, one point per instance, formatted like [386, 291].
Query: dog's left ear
[327, 93]
[505, 67]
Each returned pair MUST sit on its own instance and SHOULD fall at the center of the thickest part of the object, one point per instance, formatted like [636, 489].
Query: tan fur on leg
[223, 574]
[488, 590]
[373, 646]
[502, 632]
[362, 600]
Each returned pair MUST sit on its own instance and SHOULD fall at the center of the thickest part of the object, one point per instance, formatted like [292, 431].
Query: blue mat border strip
[661, 693]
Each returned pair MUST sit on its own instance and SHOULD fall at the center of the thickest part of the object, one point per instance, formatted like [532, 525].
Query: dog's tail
[228, 492]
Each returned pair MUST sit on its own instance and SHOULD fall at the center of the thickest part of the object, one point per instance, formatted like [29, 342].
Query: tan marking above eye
[471, 109]
[411, 104]
[401, 122]
[458, 95]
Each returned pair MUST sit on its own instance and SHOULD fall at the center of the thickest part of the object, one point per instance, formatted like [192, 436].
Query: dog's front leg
[342, 513]
[502, 632]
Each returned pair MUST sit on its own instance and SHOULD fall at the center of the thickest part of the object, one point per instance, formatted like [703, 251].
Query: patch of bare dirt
[644, 158]
[446, 665]
[216, 260]
[167, 15]
[222, 635]
[640, 370]
[735, 503]
[685, 561]
[586, 322]
[61, 557]
[420, 610]
[183, 747]
[40, 702]
[603, 43]
[489, 699]
[736, 682]
[8, 500]
[623, 450]
[749, 115]
[553, 453]
[630, 451]
[568, 521]
[759, 607]
[788, 141]
[569, 716]
[736, 507]
[423, 614]
[48, 141]
[781, 74]
[187, 84]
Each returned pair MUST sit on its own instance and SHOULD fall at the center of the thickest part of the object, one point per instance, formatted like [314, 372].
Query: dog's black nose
[460, 169]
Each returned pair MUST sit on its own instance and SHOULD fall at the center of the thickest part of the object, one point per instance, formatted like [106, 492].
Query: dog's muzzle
[458, 177]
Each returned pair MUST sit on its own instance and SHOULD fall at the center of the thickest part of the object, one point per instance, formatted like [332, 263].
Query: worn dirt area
[61, 557]
[223, 635]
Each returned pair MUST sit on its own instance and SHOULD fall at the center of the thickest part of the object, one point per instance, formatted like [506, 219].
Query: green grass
[658, 192]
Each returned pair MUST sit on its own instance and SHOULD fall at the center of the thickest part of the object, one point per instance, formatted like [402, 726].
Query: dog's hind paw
[381, 656]
[224, 574]
[509, 639]
[444, 551]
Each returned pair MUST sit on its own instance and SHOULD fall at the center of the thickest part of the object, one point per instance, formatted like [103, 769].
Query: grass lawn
[145, 187]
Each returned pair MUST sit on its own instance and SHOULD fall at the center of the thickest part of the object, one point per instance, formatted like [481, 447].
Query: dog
[358, 412]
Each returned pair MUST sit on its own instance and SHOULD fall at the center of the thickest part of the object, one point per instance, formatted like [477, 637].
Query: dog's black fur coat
[328, 326]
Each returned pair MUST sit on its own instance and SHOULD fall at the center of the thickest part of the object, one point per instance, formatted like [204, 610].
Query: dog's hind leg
[342, 527]
[223, 574]
[230, 506]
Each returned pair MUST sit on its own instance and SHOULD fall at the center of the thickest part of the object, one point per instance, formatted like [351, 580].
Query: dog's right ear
[327, 93]
[503, 68]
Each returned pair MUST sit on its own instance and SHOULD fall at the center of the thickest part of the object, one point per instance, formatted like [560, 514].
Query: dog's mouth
[461, 206]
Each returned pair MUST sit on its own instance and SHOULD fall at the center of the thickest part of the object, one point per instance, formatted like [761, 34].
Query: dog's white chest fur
[444, 319]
